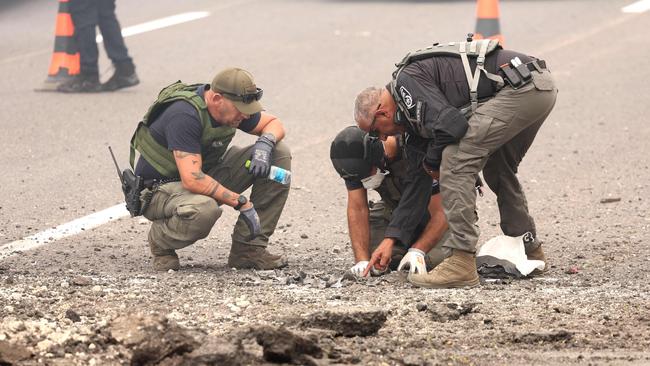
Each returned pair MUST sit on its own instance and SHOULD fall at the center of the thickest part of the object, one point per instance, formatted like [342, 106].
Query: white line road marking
[68, 229]
[160, 23]
[637, 7]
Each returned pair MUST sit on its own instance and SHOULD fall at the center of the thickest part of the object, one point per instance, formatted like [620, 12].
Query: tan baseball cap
[238, 86]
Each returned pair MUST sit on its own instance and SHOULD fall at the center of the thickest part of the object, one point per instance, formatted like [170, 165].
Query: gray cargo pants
[380, 216]
[180, 217]
[500, 132]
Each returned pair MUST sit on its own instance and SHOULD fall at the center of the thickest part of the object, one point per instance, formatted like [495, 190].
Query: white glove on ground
[413, 261]
[358, 269]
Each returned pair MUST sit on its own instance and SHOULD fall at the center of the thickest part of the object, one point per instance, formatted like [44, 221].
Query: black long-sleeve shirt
[411, 214]
[406, 179]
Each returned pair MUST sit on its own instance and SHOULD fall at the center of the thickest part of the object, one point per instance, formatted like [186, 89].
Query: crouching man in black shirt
[190, 172]
[400, 234]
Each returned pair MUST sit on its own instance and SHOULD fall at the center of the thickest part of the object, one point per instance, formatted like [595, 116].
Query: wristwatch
[241, 200]
[271, 137]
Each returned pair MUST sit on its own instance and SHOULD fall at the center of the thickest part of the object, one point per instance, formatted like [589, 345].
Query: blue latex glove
[261, 157]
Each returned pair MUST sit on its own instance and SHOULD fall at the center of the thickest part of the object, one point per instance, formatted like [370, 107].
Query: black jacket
[406, 191]
[437, 88]
[411, 216]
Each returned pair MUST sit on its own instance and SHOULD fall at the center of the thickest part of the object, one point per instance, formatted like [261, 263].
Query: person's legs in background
[124, 75]
[84, 15]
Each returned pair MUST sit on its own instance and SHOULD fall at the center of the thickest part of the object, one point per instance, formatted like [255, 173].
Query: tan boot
[459, 270]
[538, 255]
[437, 255]
[164, 259]
[255, 257]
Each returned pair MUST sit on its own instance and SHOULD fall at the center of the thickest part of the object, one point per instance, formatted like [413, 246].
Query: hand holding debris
[357, 269]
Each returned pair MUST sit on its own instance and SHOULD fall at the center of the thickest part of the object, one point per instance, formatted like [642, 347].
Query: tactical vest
[478, 49]
[214, 140]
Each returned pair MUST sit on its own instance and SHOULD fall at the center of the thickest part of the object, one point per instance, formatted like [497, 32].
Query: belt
[154, 183]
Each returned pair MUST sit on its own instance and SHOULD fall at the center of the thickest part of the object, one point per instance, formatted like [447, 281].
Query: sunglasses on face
[245, 98]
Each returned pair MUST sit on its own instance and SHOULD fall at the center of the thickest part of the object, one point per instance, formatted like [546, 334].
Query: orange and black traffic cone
[65, 58]
[487, 20]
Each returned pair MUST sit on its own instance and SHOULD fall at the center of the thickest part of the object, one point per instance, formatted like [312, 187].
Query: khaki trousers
[180, 217]
[499, 135]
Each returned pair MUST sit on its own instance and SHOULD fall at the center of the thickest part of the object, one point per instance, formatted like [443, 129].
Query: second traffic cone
[65, 58]
[487, 20]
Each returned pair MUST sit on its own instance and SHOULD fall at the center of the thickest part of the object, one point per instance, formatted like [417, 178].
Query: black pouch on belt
[511, 75]
[523, 71]
[516, 73]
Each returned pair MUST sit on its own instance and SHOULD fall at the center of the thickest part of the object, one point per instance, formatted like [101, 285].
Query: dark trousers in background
[86, 16]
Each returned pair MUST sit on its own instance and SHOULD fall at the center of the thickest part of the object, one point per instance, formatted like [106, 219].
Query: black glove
[251, 219]
[261, 158]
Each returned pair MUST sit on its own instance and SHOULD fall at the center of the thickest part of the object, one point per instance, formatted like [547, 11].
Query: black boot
[82, 83]
[123, 77]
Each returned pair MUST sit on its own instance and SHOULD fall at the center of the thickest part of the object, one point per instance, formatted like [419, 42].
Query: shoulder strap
[170, 93]
[472, 80]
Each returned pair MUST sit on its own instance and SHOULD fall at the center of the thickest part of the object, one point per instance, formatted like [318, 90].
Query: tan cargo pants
[500, 132]
[180, 217]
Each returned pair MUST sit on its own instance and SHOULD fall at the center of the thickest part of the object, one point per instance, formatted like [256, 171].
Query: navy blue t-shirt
[179, 127]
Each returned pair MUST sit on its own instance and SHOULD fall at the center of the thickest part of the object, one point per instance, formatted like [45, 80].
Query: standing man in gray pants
[480, 107]
[190, 174]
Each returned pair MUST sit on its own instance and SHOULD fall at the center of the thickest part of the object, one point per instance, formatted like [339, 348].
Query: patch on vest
[406, 97]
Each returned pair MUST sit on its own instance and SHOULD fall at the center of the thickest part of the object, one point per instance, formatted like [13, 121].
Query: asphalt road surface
[586, 177]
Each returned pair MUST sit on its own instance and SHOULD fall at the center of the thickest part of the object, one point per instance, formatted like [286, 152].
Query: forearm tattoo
[198, 175]
[212, 189]
[227, 196]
